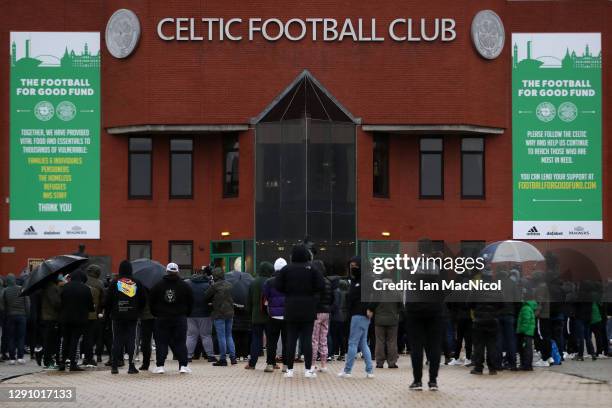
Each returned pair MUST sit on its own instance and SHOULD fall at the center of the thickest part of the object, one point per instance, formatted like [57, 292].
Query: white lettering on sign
[297, 29]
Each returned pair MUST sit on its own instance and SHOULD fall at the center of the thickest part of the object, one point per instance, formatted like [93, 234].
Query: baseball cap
[172, 267]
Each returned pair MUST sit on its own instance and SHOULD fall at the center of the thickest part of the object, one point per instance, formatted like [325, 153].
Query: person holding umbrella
[126, 298]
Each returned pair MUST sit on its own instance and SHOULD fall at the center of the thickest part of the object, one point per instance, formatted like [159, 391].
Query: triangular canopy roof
[305, 96]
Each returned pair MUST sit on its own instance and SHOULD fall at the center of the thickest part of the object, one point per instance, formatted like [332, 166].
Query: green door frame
[228, 255]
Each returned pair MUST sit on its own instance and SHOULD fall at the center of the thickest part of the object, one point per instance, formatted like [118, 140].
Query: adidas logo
[30, 231]
[533, 231]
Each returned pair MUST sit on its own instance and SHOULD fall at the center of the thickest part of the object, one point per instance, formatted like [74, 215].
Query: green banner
[55, 135]
[556, 136]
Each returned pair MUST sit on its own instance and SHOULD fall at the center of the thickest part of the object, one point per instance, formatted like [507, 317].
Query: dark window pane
[431, 144]
[431, 174]
[230, 166]
[181, 253]
[181, 145]
[141, 144]
[139, 250]
[180, 182]
[472, 144]
[472, 175]
[381, 166]
[227, 247]
[471, 248]
[140, 174]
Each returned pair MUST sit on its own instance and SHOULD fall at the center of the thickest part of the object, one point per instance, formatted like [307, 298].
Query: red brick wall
[225, 82]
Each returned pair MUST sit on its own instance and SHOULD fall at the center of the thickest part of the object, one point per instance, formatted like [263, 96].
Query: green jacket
[254, 306]
[526, 320]
[220, 295]
[387, 314]
[595, 313]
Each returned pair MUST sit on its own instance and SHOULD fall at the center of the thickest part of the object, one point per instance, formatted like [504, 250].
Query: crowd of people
[299, 313]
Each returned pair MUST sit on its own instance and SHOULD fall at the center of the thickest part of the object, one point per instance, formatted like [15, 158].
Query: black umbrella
[49, 269]
[148, 272]
[240, 286]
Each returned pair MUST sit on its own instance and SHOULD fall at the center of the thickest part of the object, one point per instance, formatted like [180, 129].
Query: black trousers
[464, 333]
[171, 333]
[275, 329]
[425, 332]
[51, 341]
[71, 333]
[339, 338]
[543, 337]
[303, 331]
[146, 334]
[124, 338]
[525, 348]
[484, 336]
[92, 333]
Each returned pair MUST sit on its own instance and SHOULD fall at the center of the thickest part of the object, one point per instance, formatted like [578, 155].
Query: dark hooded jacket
[355, 304]
[486, 306]
[199, 284]
[220, 295]
[76, 300]
[50, 302]
[255, 305]
[97, 289]
[511, 294]
[326, 296]
[300, 283]
[126, 296]
[171, 298]
[11, 303]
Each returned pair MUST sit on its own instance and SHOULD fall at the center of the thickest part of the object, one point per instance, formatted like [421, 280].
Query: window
[230, 165]
[471, 248]
[181, 253]
[432, 168]
[140, 167]
[181, 168]
[381, 166]
[138, 250]
[472, 167]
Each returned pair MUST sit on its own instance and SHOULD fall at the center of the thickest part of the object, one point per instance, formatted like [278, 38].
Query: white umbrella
[511, 251]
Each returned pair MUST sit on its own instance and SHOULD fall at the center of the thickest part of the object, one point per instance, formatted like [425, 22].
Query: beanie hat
[125, 268]
[279, 264]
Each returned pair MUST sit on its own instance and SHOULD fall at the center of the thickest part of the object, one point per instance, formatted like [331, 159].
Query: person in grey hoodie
[16, 310]
[199, 323]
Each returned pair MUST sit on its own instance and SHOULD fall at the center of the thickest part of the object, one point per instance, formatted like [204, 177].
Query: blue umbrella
[511, 251]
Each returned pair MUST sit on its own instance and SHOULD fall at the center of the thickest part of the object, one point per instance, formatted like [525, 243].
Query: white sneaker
[284, 370]
[369, 375]
[541, 363]
[288, 374]
[550, 360]
[11, 362]
[344, 374]
[467, 362]
[602, 355]
[454, 362]
[159, 370]
[310, 373]
[20, 361]
[322, 369]
[566, 355]
[185, 370]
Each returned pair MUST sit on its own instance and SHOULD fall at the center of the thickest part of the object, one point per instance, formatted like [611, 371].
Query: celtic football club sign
[54, 135]
[556, 136]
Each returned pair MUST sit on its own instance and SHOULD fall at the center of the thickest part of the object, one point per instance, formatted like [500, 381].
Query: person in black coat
[171, 301]
[76, 302]
[126, 297]
[300, 282]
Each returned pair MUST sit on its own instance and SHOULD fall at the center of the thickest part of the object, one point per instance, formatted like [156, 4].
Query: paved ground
[235, 387]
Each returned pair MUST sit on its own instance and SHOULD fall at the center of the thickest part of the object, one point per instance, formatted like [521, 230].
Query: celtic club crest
[567, 112]
[488, 34]
[122, 33]
[44, 111]
[546, 111]
[66, 111]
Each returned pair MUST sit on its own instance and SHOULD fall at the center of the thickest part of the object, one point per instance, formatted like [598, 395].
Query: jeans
[225, 339]
[16, 331]
[257, 331]
[358, 338]
[171, 332]
[199, 327]
[506, 340]
[425, 332]
[582, 333]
